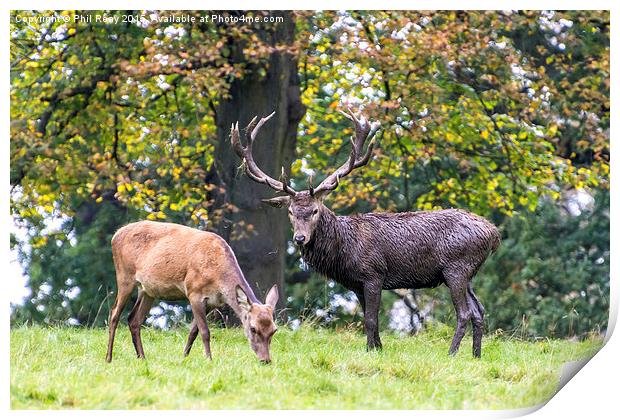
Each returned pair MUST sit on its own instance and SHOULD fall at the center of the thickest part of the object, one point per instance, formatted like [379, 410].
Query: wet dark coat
[405, 250]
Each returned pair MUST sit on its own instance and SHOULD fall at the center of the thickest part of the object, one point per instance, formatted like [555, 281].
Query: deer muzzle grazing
[258, 324]
[370, 252]
[174, 262]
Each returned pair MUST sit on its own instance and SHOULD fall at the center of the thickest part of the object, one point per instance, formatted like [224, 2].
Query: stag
[173, 262]
[370, 252]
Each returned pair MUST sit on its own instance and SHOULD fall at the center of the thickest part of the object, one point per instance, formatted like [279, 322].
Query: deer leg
[132, 315]
[200, 318]
[122, 296]
[477, 312]
[193, 333]
[458, 291]
[372, 298]
[136, 318]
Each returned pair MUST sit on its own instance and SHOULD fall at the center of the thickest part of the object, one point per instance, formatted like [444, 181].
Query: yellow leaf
[296, 167]
[39, 242]
[485, 134]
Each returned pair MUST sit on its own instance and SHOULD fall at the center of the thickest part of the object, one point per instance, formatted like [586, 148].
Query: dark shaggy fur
[370, 252]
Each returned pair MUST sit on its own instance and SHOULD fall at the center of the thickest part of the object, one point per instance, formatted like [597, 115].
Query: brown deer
[370, 252]
[173, 262]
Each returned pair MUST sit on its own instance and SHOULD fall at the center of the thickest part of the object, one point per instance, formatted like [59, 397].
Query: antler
[363, 130]
[245, 153]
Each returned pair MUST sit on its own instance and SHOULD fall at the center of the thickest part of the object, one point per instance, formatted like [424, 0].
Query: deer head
[305, 207]
[257, 320]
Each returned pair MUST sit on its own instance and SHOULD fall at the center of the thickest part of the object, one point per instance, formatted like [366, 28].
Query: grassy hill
[312, 368]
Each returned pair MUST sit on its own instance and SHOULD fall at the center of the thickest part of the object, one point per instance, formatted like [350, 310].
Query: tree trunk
[260, 249]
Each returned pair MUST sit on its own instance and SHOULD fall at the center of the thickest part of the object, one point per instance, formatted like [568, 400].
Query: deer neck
[328, 241]
[229, 291]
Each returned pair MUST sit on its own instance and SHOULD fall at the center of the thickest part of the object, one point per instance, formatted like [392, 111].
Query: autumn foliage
[494, 112]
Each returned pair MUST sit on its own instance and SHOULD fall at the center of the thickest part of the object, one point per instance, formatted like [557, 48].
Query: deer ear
[272, 296]
[242, 300]
[277, 201]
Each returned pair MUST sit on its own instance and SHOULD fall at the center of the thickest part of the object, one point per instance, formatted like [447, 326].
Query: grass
[58, 368]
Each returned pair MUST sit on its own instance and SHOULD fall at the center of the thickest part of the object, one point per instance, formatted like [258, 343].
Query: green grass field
[312, 368]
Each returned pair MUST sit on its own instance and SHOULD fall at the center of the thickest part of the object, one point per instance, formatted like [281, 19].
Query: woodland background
[505, 114]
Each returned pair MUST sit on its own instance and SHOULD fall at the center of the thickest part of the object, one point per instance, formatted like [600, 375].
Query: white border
[593, 393]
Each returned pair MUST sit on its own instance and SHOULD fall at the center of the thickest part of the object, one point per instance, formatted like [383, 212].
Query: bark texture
[261, 251]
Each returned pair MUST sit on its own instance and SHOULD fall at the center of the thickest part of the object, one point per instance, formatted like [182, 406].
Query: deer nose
[266, 361]
[299, 239]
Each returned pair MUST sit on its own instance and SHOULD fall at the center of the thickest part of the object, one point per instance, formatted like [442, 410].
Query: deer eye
[315, 211]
